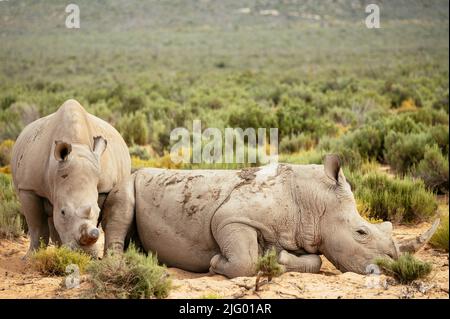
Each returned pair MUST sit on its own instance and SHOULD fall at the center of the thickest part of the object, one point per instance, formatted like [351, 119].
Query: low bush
[53, 261]
[362, 144]
[439, 135]
[267, 266]
[399, 140]
[405, 269]
[343, 116]
[291, 144]
[398, 200]
[12, 222]
[433, 169]
[131, 275]
[6, 152]
[440, 238]
[304, 157]
[403, 151]
[15, 118]
[134, 128]
[139, 152]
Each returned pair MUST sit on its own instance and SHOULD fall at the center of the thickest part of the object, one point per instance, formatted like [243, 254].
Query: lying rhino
[63, 166]
[223, 220]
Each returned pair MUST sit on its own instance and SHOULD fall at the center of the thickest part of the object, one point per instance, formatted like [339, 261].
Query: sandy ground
[19, 280]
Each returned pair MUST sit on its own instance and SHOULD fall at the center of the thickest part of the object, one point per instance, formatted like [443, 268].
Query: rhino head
[75, 194]
[349, 241]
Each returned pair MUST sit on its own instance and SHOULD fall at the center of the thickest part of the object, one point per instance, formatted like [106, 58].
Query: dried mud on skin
[19, 280]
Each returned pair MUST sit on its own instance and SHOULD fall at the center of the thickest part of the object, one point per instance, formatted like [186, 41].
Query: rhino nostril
[94, 233]
[89, 237]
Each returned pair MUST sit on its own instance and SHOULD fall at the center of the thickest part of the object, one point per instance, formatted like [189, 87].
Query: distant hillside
[120, 39]
[35, 16]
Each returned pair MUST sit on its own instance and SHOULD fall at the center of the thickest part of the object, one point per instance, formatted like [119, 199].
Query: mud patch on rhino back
[248, 174]
[198, 194]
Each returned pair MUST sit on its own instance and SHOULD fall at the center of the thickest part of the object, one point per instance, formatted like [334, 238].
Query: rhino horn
[415, 244]
[89, 236]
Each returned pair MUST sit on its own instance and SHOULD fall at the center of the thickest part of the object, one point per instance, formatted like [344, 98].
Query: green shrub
[440, 238]
[12, 222]
[429, 117]
[291, 144]
[139, 152]
[304, 157]
[131, 275]
[350, 158]
[252, 116]
[405, 269]
[400, 92]
[15, 118]
[439, 135]
[267, 266]
[403, 151]
[10, 124]
[433, 169]
[133, 128]
[398, 200]
[53, 261]
[6, 152]
[294, 117]
[441, 102]
[102, 110]
[342, 116]
[366, 141]
[378, 140]
[402, 123]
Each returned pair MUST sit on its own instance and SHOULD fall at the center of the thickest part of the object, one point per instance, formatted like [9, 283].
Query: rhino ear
[99, 145]
[332, 166]
[62, 150]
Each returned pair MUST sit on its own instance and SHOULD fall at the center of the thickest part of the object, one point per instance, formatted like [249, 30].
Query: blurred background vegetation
[378, 97]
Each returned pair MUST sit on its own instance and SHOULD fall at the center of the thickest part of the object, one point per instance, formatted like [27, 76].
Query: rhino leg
[54, 236]
[309, 263]
[118, 215]
[239, 246]
[37, 221]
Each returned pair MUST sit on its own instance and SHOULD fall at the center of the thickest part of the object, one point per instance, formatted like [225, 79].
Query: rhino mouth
[405, 246]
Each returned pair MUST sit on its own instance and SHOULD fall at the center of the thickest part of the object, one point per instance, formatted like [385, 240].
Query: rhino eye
[63, 212]
[362, 232]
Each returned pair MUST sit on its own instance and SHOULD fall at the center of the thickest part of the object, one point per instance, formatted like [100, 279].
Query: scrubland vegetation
[406, 268]
[377, 97]
[53, 261]
[131, 275]
[328, 84]
[12, 223]
[267, 266]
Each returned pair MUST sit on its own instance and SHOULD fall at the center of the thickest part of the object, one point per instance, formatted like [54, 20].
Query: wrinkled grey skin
[222, 221]
[63, 165]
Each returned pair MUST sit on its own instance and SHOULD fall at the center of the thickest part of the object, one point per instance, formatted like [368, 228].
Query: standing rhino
[223, 220]
[63, 165]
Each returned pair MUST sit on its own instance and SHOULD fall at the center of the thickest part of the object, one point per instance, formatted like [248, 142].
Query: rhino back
[174, 209]
[29, 154]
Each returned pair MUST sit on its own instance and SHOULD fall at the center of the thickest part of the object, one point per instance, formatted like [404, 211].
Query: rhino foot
[309, 263]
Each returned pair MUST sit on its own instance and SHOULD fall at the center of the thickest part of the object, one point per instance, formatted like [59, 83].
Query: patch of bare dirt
[19, 280]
